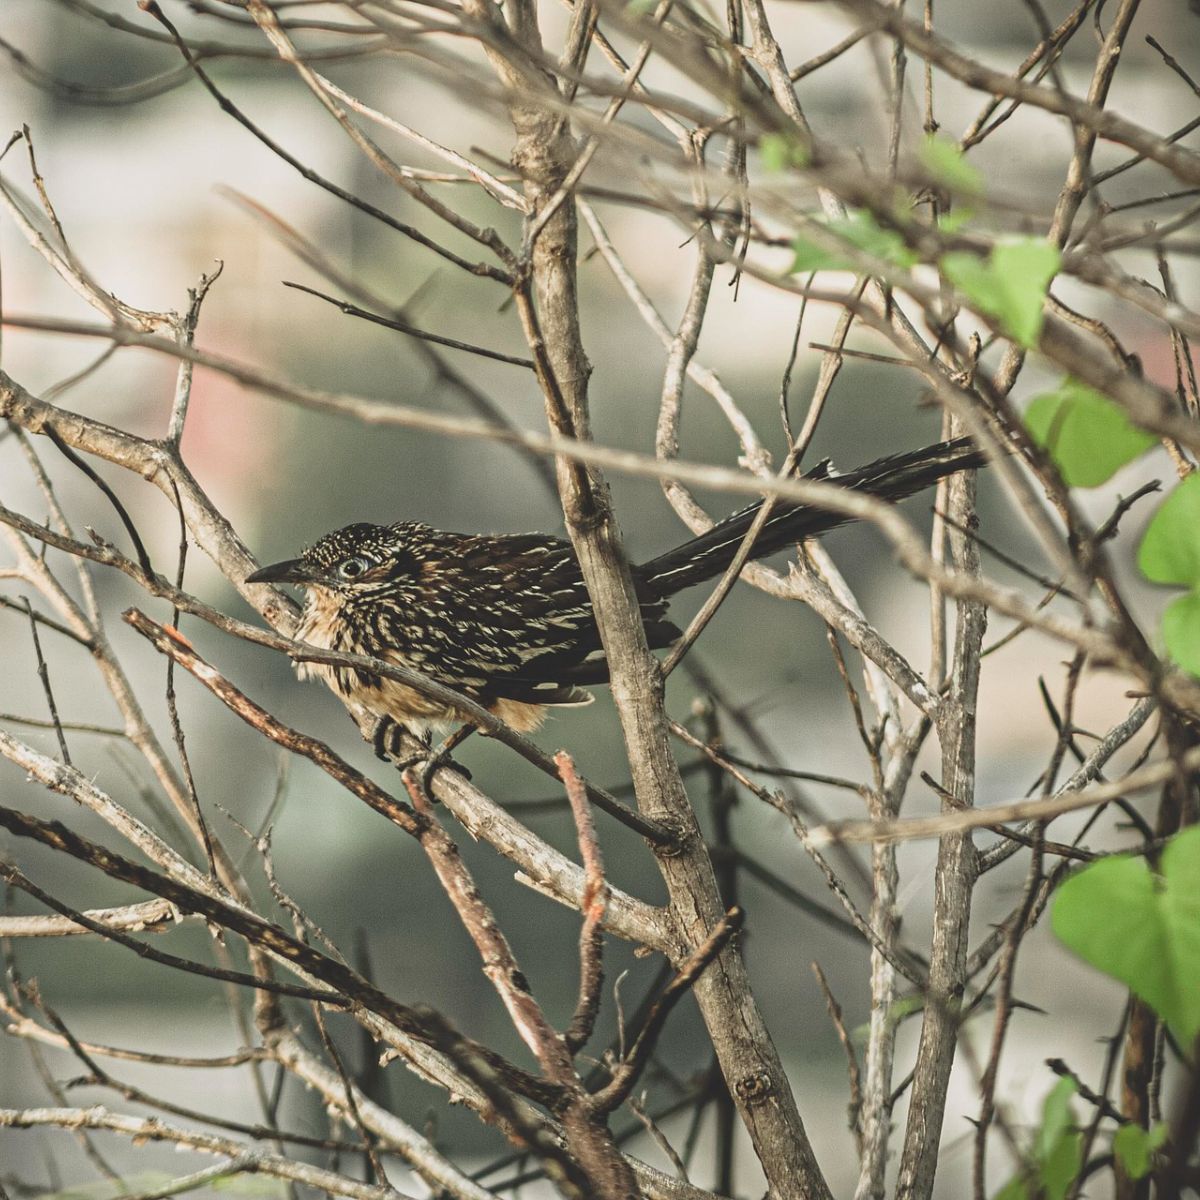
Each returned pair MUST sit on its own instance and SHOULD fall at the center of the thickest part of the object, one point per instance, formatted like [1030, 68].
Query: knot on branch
[754, 1089]
[679, 835]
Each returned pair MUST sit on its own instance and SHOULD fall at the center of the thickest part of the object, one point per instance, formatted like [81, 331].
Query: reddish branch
[591, 1165]
[595, 899]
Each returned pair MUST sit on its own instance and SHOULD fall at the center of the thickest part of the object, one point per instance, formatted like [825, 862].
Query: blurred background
[147, 188]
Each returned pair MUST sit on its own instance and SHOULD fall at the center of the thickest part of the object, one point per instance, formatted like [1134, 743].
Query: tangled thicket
[884, 236]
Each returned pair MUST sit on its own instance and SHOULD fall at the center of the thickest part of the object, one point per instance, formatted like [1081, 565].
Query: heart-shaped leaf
[1170, 549]
[1142, 928]
[1135, 1147]
[1010, 285]
[1181, 631]
[1056, 1156]
[1170, 553]
[1089, 437]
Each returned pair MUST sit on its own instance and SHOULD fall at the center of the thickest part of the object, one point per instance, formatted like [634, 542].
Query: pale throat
[318, 627]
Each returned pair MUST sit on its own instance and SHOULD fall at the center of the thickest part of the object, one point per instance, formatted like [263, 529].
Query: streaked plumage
[505, 618]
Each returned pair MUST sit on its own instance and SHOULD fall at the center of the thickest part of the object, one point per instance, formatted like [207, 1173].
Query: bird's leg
[386, 737]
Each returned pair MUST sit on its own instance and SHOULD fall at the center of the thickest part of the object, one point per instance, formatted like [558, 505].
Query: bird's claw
[434, 761]
[387, 739]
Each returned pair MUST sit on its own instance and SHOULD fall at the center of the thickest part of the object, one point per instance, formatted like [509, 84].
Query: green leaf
[1170, 549]
[1134, 1148]
[863, 233]
[779, 151]
[1062, 1165]
[1010, 285]
[808, 256]
[1025, 268]
[1181, 631]
[773, 150]
[1014, 1189]
[1059, 1148]
[1170, 553]
[946, 163]
[1056, 1115]
[951, 222]
[1056, 1154]
[861, 230]
[1089, 437]
[1142, 928]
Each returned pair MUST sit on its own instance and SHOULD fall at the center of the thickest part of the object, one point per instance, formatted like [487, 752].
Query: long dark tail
[891, 478]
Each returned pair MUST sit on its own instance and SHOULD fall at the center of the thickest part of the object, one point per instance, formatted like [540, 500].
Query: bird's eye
[352, 568]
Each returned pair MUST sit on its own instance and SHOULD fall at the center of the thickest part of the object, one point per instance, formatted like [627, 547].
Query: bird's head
[348, 560]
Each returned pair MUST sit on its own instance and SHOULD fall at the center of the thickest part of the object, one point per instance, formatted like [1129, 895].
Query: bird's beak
[292, 570]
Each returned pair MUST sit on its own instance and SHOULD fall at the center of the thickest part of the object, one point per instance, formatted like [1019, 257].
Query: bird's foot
[431, 759]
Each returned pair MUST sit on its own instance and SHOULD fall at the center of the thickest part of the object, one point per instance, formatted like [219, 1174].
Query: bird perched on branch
[506, 618]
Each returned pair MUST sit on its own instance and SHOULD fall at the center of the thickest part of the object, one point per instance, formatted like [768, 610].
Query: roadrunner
[506, 618]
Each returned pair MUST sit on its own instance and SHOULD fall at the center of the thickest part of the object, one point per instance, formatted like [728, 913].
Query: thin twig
[626, 1073]
[353, 310]
[44, 675]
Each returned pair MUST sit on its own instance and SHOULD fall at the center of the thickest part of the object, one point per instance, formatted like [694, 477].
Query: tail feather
[892, 478]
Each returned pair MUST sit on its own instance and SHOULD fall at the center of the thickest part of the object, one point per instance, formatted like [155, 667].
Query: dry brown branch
[350, 988]
[627, 1071]
[1020, 810]
[147, 917]
[955, 874]
[154, 1130]
[1184, 164]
